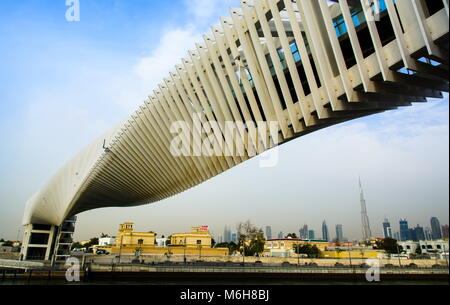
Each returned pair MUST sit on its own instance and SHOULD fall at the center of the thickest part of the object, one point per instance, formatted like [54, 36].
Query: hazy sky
[63, 84]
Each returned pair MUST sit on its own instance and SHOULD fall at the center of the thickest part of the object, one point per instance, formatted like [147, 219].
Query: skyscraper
[280, 235]
[367, 233]
[311, 234]
[268, 232]
[387, 229]
[428, 234]
[436, 229]
[304, 232]
[397, 236]
[445, 231]
[325, 234]
[404, 230]
[412, 235]
[419, 233]
[339, 232]
[227, 235]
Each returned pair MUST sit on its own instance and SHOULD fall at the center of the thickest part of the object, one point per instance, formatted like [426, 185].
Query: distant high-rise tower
[436, 229]
[404, 230]
[339, 233]
[227, 235]
[445, 231]
[304, 232]
[387, 230]
[367, 233]
[428, 234]
[325, 234]
[311, 235]
[397, 236]
[269, 232]
[419, 233]
[280, 235]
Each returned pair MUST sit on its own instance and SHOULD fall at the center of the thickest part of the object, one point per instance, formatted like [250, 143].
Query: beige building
[197, 242]
[199, 237]
[129, 241]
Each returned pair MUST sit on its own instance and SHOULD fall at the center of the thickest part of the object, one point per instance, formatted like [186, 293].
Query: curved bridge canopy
[304, 64]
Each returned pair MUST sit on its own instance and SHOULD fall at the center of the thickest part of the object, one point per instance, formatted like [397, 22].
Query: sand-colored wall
[191, 251]
[280, 260]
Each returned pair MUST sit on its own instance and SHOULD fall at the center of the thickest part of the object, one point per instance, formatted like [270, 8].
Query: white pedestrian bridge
[302, 64]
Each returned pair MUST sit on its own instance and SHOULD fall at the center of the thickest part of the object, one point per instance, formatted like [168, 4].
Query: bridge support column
[48, 242]
[37, 242]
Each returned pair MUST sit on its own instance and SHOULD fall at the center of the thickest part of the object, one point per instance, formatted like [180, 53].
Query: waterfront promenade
[155, 272]
[321, 262]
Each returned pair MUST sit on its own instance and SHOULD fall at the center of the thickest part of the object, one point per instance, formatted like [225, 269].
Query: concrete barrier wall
[269, 260]
[241, 270]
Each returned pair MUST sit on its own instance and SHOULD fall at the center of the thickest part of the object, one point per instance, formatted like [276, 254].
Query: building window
[199, 242]
[140, 242]
[39, 238]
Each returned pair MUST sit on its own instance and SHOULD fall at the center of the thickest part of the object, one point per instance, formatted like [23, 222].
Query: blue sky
[62, 84]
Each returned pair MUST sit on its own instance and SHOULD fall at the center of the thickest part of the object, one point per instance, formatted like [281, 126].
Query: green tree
[251, 239]
[419, 251]
[233, 247]
[77, 245]
[8, 243]
[337, 242]
[389, 245]
[92, 242]
[291, 235]
[310, 250]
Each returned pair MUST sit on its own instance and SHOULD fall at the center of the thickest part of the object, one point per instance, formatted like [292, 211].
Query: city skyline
[402, 156]
[419, 230]
[229, 232]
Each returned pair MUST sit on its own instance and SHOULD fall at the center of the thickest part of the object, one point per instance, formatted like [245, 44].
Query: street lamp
[243, 252]
[349, 254]
[446, 256]
[399, 260]
[184, 257]
[120, 249]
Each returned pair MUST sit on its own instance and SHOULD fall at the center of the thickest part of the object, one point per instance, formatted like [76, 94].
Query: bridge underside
[305, 64]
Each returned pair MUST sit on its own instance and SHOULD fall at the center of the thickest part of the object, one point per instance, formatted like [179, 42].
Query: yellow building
[128, 241]
[199, 237]
[197, 242]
